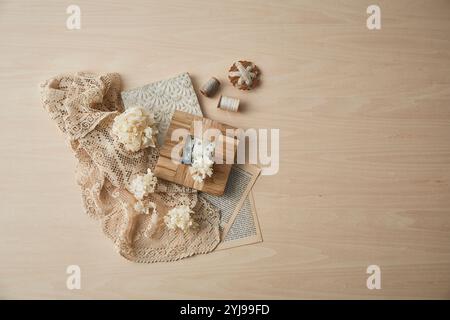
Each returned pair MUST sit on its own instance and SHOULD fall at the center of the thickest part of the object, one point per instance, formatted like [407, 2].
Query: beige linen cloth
[84, 106]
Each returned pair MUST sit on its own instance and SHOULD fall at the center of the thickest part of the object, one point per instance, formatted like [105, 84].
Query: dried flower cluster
[179, 217]
[200, 168]
[135, 129]
[202, 160]
[142, 185]
[144, 206]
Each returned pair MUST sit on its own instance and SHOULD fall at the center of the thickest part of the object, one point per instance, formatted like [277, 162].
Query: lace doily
[84, 106]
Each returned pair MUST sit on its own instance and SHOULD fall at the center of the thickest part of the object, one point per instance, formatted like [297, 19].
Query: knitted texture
[84, 106]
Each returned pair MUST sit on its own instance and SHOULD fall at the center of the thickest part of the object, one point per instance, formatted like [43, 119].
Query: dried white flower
[142, 185]
[144, 207]
[135, 129]
[202, 160]
[203, 149]
[179, 217]
[200, 168]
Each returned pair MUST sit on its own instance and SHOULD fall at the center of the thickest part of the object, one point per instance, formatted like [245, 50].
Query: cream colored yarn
[84, 106]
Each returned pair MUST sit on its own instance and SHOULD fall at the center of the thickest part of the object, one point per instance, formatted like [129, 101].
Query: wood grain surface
[364, 119]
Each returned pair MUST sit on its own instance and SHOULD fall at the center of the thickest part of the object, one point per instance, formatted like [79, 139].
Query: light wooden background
[365, 145]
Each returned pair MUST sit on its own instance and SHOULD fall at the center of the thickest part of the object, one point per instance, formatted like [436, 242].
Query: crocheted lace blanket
[84, 106]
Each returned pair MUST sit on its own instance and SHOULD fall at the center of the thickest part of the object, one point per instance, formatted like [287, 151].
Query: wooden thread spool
[210, 87]
[228, 104]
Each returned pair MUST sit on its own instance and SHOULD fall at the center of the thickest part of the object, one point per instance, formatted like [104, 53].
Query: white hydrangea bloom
[201, 149]
[135, 129]
[142, 185]
[179, 217]
[202, 160]
[200, 168]
[147, 207]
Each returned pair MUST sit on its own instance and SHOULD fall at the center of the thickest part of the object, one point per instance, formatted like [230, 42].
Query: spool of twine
[210, 87]
[228, 103]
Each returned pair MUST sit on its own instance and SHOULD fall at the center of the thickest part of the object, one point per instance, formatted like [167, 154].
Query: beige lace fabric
[84, 106]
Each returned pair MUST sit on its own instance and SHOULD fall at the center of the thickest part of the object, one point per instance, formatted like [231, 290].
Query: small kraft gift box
[170, 166]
